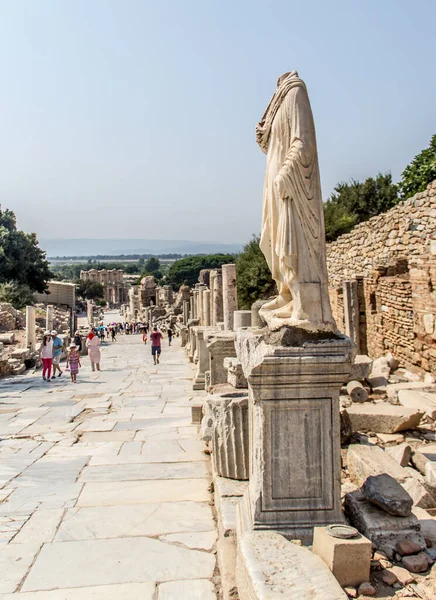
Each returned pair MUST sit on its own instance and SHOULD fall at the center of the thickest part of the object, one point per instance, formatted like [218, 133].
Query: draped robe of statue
[293, 235]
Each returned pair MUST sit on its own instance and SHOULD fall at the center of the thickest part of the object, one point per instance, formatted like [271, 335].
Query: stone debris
[366, 589]
[383, 529]
[423, 401]
[364, 461]
[417, 563]
[361, 368]
[421, 495]
[350, 591]
[401, 453]
[385, 492]
[357, 392]
[427, 523]
[383, 417]
[379, 377]
[389, 577]
[406, 547]
[393, 389]
[403, 575]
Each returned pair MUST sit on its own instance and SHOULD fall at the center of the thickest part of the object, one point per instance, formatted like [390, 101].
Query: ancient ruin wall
[403, 231]
[393, 258]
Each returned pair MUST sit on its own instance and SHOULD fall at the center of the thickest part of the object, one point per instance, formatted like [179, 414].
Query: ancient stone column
[352, 312]
[30, 328]
[206, 308]
[195, 304]
[241, 318]
[230, 301]
[50, 317]
[191, 307]
[203, 359]
[186, 304]
[295, 453]
[217, 300]
[212, 278]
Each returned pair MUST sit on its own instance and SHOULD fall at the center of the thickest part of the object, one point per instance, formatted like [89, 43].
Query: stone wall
[393, 259]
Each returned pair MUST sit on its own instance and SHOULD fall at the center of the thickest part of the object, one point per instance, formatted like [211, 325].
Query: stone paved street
[103, 484]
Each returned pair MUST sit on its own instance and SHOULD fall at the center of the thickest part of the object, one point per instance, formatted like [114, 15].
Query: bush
[254, 279]
[420, 172]
[187, 270]
[17, 294]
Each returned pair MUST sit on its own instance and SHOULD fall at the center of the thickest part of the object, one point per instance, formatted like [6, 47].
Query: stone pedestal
[230, 301]
[351, 312]
[192, 339]
[50, 317]
[220, 345]
[295, 462]
[30, 328]
[241, 318]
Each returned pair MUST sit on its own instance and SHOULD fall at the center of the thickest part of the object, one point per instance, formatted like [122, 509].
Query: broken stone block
[349, 560]
[393, 362]
[393, 389]
[403, 575]
[235, 374]
[268, 567]
[388, 577]
[382, 529]
[357, 392]
[419, 493]
[7, 338]
[420, 456]
[230, 451]
[196, 413]
[364, 461]
[401, 453]
[428, 524]
[387, 493]
[379, 377]
[366, 589]
[390, 438]
[406, 547]
[417, 563]
[425, 402]
[383, 417]
[361, 368]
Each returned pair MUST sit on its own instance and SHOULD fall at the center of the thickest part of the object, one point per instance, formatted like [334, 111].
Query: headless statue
[293, 235]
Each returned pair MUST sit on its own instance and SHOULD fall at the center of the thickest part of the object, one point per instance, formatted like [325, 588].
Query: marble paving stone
[108, 436]
[137, 492]
[135, 520]
[143, 471]
[187, 590]
[110, 561]
[124, 591]
[200, 541]
[51, 469]
[40, 528]
[15, 559]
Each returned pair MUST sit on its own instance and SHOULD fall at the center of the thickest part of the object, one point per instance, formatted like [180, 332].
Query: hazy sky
[135, 118]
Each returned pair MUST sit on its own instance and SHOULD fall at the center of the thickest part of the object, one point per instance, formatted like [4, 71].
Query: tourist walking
[73, 362]
[113, 334]
[170, 335]
[46, 355]
[156, 338]
[58, 344]
[93, 343]
[144, 335]
[78, 341]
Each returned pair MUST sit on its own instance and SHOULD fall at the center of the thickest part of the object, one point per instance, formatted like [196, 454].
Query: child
[73, 361]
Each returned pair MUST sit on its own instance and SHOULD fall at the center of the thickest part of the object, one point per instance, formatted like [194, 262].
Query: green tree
[354, 202]
[188, 269]
[17, 294]
[152, 265]
[420, 172]
[21, 259]
[90, 290]
[253, 275]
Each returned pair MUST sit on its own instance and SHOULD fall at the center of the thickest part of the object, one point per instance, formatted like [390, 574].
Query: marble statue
[293, 235]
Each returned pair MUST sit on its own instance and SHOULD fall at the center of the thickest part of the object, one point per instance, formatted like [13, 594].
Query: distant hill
[92, 247]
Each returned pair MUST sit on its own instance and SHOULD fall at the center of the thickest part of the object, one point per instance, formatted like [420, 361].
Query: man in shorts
[57, 352]
[156, 338]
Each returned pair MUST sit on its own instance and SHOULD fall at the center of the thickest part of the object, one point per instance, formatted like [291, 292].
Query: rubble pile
[389, 475]
[10, 318]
